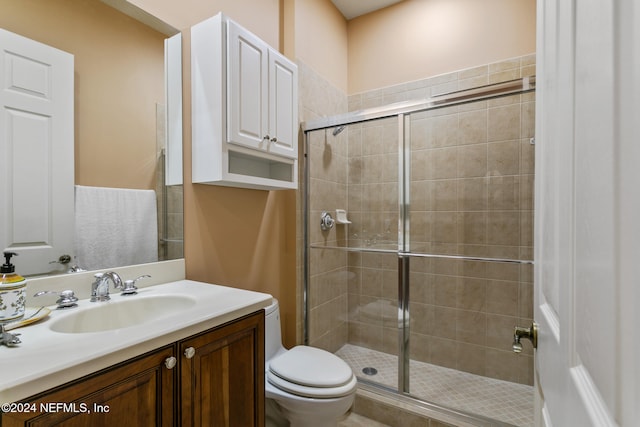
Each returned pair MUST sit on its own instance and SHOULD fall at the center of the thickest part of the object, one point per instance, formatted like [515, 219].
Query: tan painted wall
[321, 40]
[118, 81]
[235, 237]
[261, 17]
[416, 39]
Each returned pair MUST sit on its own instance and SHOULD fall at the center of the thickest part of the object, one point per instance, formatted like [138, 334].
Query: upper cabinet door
[247, 95]
[283, 105]
[36, 152]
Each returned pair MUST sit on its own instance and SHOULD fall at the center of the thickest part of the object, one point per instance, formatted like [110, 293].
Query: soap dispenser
[13, 291]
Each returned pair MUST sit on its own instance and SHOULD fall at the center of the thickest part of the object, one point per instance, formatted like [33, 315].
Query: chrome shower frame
[402, 111]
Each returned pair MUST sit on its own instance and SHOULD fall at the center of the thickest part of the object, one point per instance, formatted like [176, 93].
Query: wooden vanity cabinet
[222, 375]
[139, 392]
[215, 378]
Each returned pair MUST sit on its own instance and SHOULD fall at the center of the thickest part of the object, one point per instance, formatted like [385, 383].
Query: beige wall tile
[422, 318]
[471, 294]
[481, 70]
[527, 159]
[525, 300]
[421, 165]
[473, 194]
[473, 127]
[504, 193]
[473, 82]
[500, 331]
[503, 298]
[471, 327]
[444, 352]
[472, 161]
[445, 227]
[444, 323]
[502, 365]
[508, 64]
[471, 358]
[503, 228]
[443, 131]
[504, 123]
[504, 158]
[444, 163]
[472, 227]
[444, 195]
[445, 290]
[421, 287]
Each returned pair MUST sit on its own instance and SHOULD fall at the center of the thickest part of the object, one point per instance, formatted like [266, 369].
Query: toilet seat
[311, 372]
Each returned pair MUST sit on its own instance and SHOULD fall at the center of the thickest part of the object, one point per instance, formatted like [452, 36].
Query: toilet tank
[272, 332]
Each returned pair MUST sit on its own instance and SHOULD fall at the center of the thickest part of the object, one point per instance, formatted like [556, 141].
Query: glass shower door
[353, 280]
[471, 213]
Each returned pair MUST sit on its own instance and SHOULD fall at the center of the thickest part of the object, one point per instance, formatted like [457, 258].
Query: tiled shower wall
[471, 194]
[328, 294]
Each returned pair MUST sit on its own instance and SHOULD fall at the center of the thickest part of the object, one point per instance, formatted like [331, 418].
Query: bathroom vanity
[201, 364]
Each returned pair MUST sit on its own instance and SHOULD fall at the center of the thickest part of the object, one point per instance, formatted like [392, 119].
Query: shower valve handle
[326, 221]
[530, 333]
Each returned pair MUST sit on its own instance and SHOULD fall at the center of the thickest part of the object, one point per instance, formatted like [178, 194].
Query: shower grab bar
[423, 255]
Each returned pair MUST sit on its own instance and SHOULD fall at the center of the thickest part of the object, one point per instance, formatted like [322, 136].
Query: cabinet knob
[170, 362]
[189, 352]
[274, 139]
[267, 137]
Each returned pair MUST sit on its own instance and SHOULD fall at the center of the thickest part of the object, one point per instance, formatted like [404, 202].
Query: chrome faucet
[100, 288]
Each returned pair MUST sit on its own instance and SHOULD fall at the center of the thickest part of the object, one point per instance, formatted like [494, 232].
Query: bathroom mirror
[120, 112]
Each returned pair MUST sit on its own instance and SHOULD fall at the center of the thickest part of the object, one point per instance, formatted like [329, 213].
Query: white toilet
[304, 386]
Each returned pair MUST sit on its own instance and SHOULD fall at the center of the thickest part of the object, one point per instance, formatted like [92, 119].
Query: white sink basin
[136, 310]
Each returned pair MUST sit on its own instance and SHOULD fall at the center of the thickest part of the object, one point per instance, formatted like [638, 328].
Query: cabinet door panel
[223, 383]
[283, 105]
[137, 393]
[248, 91]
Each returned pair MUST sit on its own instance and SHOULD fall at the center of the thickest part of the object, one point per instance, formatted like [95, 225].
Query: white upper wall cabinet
[244, 107]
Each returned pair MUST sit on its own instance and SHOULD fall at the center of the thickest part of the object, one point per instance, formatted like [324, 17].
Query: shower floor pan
[500, 400]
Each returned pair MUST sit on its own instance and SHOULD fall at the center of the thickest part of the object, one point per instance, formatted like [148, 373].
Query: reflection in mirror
[120, 108]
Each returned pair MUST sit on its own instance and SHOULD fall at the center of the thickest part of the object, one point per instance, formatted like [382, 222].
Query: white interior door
[587, 209]
[36, 152]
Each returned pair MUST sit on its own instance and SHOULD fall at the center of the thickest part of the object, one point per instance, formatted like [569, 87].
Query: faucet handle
[130, 287]
[67, 298]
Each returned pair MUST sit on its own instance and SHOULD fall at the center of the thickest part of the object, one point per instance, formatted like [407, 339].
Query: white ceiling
[353, 8]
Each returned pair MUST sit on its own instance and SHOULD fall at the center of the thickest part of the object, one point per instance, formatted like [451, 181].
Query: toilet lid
[313, 392]
[312, 367]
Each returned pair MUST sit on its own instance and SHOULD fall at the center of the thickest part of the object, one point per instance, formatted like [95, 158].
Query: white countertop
[46, 359]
